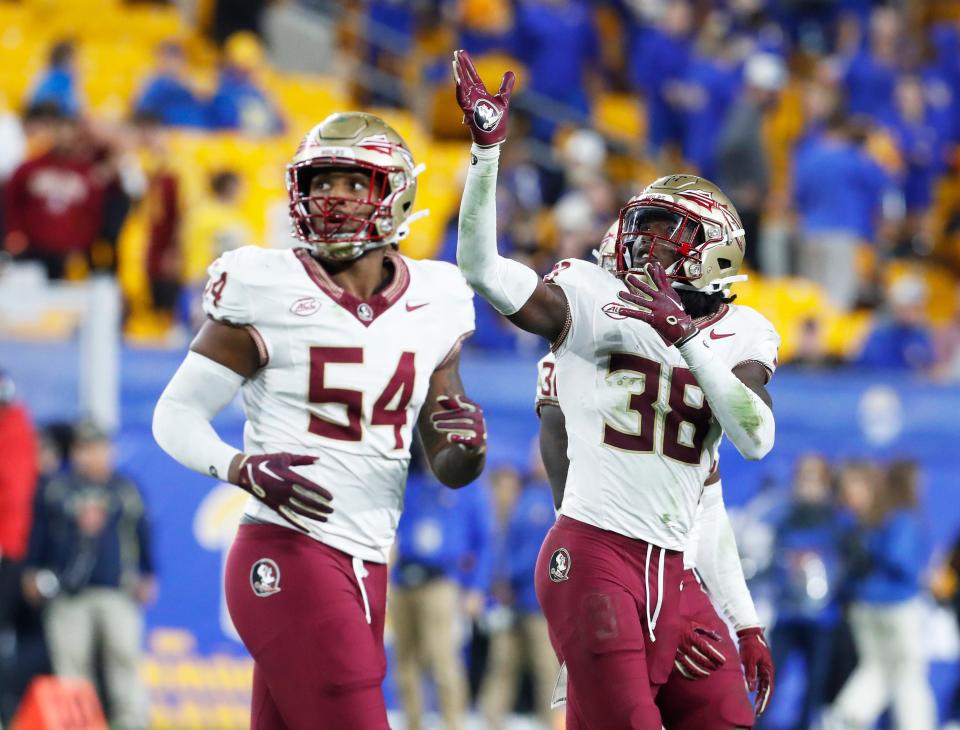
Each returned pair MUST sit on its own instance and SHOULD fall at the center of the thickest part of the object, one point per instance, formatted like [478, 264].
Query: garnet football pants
[613, 607]
[312, 618]
[716, 702]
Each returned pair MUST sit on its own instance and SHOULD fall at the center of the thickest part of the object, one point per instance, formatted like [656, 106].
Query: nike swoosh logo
[715, 336]
[266, 470]
[414, 307]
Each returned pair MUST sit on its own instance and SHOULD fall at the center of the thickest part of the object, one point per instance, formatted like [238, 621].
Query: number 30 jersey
[340, 379]
[641, 436]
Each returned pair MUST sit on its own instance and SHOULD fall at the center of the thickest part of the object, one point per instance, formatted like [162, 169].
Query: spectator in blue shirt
[713, 85]
[557, 42]
[838, 193]
[871, 76]
[238, 102]
[444, 562]
[520, 636]
[941, 81]
[57, 85]
[887, 614]
[658, 64]
[901, 339]
[922, 148]
[90, 557]
[168, 94]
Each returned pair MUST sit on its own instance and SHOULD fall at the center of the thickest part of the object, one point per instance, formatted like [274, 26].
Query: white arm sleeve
[197, 392]
[746, 420]
[505, 283]
[718, 562]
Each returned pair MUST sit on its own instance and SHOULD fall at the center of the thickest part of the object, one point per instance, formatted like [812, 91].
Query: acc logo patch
[559, 565]
[486, 115]
[305, 307]
[265, 577]
[612, 310]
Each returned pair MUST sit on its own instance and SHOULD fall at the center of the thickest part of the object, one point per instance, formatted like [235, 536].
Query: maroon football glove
[757, 665]
[697, 657]
[461, 421]
[658, 305]
[271, 479]
[486, 115]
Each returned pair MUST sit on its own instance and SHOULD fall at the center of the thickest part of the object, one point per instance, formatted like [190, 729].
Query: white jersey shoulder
[343, 379]
[546, 382]
[233, 280]
[443, 283]
[641, 436]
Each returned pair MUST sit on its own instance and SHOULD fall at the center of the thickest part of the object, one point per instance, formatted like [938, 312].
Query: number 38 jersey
[641, 436]
[340, 379]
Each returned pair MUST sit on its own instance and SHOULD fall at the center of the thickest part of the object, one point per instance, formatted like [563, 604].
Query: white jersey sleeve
[226, 297]
[761, 342]
[452, 289]
[579, 280]
[230, 297]
[546, 383]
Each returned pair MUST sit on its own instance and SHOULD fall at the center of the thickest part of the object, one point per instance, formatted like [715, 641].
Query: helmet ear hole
[724, 264]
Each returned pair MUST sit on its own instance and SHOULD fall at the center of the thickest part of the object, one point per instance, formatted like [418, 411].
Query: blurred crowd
[832, 125]
[843, 556]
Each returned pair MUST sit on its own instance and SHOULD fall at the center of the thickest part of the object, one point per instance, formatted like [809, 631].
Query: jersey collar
[364, 310]
[711, 319]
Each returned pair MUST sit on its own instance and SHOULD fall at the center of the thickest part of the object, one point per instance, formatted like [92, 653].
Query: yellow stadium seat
[620, 116]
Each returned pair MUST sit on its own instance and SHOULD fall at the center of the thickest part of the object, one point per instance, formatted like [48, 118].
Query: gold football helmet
[606, 252]
[352, 140]
[697, 219]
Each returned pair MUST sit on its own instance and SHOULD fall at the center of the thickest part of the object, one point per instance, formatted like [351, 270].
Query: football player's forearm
[199, 390]
[718, 562]
[746, 420]
[456, 466]
[505, 283]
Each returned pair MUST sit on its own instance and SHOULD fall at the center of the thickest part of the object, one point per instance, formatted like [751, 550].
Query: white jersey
[341, 379]
[546, 382]
[547, 395]
[641, 436]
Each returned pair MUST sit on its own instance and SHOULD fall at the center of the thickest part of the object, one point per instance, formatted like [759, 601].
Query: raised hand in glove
[271, 479]
[697, 655]
[485, 114]
[658, 305]
[757, 665]
[461, 421]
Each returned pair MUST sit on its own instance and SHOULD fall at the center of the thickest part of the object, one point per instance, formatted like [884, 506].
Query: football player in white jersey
[338, 347]
[719, 700]
[655, 365]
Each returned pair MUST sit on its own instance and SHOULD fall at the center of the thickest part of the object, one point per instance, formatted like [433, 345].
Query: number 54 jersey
[641, 436]
[340, 379]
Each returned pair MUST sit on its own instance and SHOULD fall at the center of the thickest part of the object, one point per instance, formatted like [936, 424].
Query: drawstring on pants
[361, 572]
[652, 620]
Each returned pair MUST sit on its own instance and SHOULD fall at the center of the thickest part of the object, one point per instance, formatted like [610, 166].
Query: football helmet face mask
[340, 228]
[687, 224]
